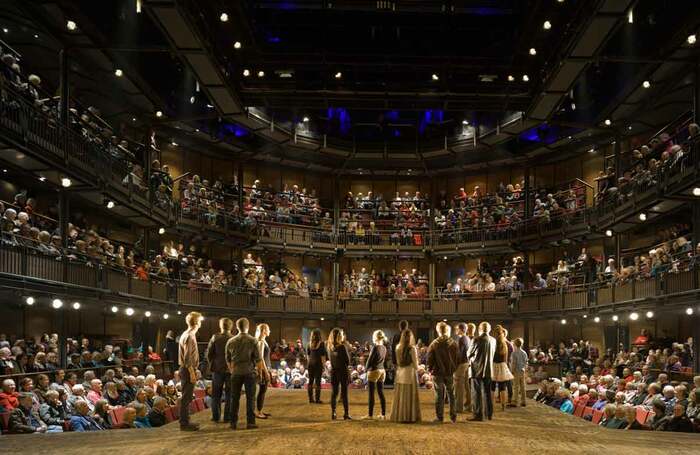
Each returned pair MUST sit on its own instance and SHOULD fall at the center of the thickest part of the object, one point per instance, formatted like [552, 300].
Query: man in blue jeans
[481, 355]
[442, 363]
[245, 363]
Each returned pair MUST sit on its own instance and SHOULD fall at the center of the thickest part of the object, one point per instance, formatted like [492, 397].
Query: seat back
[199, 404]
[597, 416]
[642, 415]
[176, 410]
[588, 411]
[169, 414]
[5, 421]
[650, 415]
[117, 415]
[578, 412]
[200, 393]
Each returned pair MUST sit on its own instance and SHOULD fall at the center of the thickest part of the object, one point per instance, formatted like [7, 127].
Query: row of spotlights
[58, 304]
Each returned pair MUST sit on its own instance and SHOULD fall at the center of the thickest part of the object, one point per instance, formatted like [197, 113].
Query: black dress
[315, 370]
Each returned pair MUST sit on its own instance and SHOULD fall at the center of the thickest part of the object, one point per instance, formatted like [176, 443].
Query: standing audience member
[261, 333]
[518, 362]
[406, 405]
[189, 362]
[442, 364]
[481, 359]
[501, 372]
[461, 376]
[316, 353]
[376, 373]
[221, 378]
[243, 357]
[339, 355]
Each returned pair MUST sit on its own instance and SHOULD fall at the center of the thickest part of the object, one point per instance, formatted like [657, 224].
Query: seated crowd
[413, 284]
[619, 385]
[59, 399]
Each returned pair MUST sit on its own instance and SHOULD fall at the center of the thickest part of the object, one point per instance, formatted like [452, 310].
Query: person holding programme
[316, 353]
[406, 405]
[221, 378]
[188, 356]
[442, 364]
[339, 355]
[243, 358]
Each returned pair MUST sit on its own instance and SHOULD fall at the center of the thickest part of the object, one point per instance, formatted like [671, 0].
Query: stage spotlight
[646, 84]
[66, 182]
[435, 77]
[76, 305]
[650, 314]
[223, 17]
[129, 311]
[533, 51]
[642, 216]
[118, 72]
[615, 318]
[547, 25]
[57, 303]
[29, 301]
[115, 309]
[237, 45]
[246, 72]
[147, 314]
[634, 316]
[525, 78]
[71, 25]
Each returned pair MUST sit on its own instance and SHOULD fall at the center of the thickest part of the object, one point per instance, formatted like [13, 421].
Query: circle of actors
[469, 371]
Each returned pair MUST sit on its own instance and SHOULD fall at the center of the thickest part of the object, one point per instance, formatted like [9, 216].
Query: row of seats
[583, 411]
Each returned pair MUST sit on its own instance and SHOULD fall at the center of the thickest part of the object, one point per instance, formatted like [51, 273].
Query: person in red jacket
[9, 398]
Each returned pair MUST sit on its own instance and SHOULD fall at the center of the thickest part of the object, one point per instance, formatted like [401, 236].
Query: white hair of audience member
[573, 386]
[583, 388]
[669, 390]
[78, 388]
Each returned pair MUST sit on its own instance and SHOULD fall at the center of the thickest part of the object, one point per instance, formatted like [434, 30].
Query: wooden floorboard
[299, 427]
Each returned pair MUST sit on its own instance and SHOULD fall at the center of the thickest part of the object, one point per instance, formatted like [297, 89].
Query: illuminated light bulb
[338, 75]
[223, 17]
[607, 122]
[147, 314]
[159, 114]
[692, 39]
[66, 182]
[642, 216]
[237, 45]
[596, 319]
[511, 78]
[115, 309]
[646, 84]
[696, 191]
[71, 25]
[547, 25]
[29, 301]
[634, 316]
[165, 316]
[650, 314]
[129, 311]
[76, 305]
[525, 78]
[533, 51]
[246, 73]
[57, 303]
[615, 318]
[435, 77]
[118, 72]
[688, 311]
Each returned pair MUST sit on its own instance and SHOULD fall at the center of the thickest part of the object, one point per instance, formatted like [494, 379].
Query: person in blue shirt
[567, 405]
[81, 419]
[141, 419]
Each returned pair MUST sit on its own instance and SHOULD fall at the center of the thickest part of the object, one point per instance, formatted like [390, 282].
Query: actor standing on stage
[461, 376]
[406, 405]
[316, 353]
[262, 331]
[188, 357]
[221, 378]
[481, 360]
[442, 364]
[376, 373]
[243, 358]
[501, 372]
[339, 355]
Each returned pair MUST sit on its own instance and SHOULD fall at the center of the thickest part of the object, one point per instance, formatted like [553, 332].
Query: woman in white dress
[501, 372]
[406, 405]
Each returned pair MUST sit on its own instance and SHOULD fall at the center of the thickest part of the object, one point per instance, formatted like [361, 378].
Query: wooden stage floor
[299, 427]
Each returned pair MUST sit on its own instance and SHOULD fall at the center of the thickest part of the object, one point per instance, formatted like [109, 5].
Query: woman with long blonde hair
[406, 405]
[262, 331]
[339, 356]
[376, 373]
[501, 372]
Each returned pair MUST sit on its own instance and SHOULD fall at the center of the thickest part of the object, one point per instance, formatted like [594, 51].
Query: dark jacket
[442, 356]
[481, 355]
[463, 343]
[340, 359]
[376, 358]
[53, 415]
[23, 421]
[156, 418]
[216, 352]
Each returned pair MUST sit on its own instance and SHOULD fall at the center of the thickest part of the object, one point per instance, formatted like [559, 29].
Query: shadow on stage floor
[299, 427]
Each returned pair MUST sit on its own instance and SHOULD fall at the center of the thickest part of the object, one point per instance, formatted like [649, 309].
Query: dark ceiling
[348, 84]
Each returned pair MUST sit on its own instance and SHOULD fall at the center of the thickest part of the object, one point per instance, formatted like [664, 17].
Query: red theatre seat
[176, 410]
[597, 415]
[117, 415]
[5, 421]
[588, 411]
[200, 393]
[642, 415]
[169, 414]
[578, 412]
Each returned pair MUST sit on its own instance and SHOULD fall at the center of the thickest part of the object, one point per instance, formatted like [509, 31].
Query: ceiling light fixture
[525, 78]
[634, 316]
[42, 179]
[76, 305]
[192, 99]
[261, 73]
[57, 303]
[689, 311]
[696, 191]
[237, 45]
[646, 84]
[563, 321]
[110, 204]
[465, 122]
[161, 231]
[165, 316]
[609, 233]
[596, 319]
[159, 114]
[692, 39]
[615, 318]
[642, 216]
[147, 314]
[435, 77]
[129, 311]
[246, 72]
[223, 17]
[29, 301]
[118, 72]
[533, 51]
[511, 78]
[630, 16]
[71, 25]
[607, 122]
[66, 182]
[338, 75]
[650, 314]
[305, 119]
[547, 25]
[5, 30]
[115, 309]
